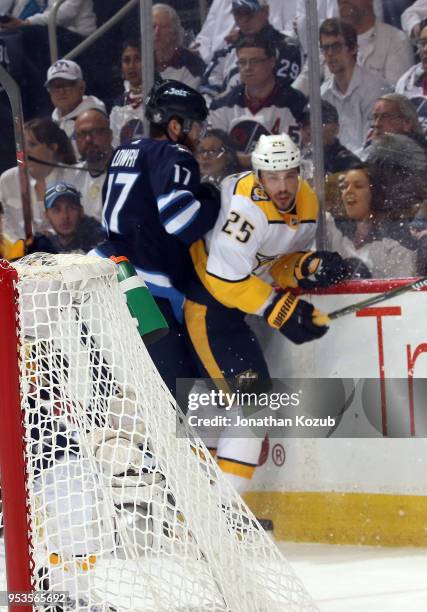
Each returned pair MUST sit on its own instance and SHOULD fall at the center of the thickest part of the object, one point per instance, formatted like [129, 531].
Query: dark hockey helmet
[173, 99]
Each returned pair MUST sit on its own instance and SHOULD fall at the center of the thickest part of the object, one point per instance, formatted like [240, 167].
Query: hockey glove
[320, 269]
[209, 190]
[356, 268]
[294, 318]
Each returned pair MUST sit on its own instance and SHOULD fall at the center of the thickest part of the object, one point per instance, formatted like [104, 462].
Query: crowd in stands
[249, 60]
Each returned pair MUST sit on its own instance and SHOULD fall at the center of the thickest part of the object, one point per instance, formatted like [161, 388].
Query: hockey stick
[42, 162]
[13, 93]
[325, 319]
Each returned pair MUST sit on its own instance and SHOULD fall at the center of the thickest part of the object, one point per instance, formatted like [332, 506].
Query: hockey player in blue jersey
[155, 207]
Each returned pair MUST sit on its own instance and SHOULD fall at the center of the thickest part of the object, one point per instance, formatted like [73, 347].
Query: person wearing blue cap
[74, 232]
[252, 18]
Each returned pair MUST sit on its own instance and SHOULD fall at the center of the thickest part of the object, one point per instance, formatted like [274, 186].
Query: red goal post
[12, 448]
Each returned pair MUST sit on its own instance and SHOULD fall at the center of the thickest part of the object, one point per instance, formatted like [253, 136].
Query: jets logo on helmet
[177, 92]
[275, 152]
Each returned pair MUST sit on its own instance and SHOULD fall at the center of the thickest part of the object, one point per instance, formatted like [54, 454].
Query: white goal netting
[124, 514]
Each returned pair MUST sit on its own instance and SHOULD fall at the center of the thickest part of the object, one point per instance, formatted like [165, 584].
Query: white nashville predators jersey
[250, 235]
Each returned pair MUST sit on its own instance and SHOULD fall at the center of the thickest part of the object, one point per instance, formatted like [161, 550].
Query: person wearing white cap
[66, 88]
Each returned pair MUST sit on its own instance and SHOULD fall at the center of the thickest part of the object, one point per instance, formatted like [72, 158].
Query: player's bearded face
[281, 186]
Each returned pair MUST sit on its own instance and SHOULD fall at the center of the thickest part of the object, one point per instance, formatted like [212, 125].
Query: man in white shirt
[74, 15]
[352, 89]
[325, 10]
[220, 22]
[27, 30]
[93, 138]
[382, 48]
[66, 89]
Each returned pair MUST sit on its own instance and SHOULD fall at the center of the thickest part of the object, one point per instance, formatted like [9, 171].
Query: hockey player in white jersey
[256, 252]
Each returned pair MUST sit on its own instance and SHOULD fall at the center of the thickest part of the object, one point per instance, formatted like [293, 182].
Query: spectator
[337, 157]
[127, 114]
[252, 17]
[399, 164]
[413, 84]
[261, 104]
[93, 138]
[66, 88]
[325, 10]
[351, 88]
[21, 8]
[395, 114]
[172, 60]
[358, 235]
[73, 231]
[412, 18]
[216, 157]
[73, 17]
[44, 141]
[220, 21]
[382, 49]
[27, 29]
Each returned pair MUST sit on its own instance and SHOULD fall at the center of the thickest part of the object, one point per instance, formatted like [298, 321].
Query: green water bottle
[151, 323]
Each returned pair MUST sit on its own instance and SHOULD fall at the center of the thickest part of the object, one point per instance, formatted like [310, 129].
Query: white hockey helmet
[275, 152]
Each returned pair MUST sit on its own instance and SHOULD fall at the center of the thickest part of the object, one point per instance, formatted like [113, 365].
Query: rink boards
[357, 485]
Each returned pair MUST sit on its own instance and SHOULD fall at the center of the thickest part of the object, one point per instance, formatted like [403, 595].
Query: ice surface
[361, 578]
[352, 578]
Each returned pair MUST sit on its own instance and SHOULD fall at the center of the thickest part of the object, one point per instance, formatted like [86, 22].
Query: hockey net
[121, 513]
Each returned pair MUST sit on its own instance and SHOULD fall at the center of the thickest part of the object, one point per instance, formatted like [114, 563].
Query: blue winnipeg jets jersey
[154, 209]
